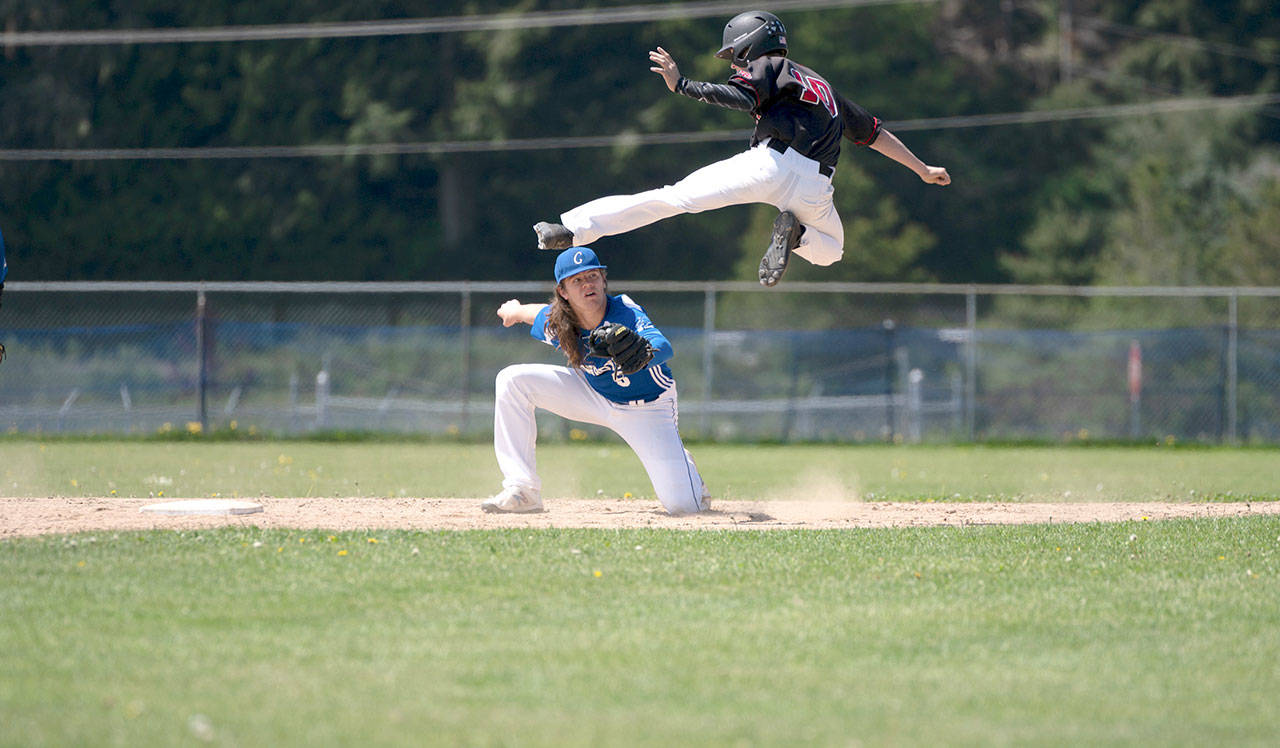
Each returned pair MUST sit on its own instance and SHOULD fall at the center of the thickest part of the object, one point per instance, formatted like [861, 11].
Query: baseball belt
[782, 147]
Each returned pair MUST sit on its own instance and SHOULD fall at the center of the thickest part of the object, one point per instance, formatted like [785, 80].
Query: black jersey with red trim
[791, 103]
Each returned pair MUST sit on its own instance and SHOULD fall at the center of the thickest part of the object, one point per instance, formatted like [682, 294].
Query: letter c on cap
[577, 258]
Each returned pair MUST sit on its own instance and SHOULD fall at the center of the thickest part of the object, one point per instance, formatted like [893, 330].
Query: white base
[203, 506]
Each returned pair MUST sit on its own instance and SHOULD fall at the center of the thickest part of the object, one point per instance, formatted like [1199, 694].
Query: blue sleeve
[539, 327]
[662, 350]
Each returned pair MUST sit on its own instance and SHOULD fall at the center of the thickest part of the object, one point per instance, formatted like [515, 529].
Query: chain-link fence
[802, 362]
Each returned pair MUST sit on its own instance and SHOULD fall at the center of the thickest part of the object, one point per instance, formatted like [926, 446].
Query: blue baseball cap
[576, 260]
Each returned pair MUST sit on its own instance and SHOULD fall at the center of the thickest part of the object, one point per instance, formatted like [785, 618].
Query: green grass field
[303, 468]
[1127, 633]
[1138, 633]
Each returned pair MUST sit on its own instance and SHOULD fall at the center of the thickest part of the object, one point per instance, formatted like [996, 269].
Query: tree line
[1179, 198]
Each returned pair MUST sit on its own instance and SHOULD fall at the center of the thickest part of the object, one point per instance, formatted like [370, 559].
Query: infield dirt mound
[38, 516]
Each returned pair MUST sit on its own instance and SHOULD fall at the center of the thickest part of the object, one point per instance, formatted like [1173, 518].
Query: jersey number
[817, 91]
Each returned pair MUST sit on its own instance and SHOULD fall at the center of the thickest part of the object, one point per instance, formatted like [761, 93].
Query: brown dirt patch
[39, 516]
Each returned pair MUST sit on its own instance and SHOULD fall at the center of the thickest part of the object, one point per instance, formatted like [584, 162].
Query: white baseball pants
[650, 429]
[787, 181]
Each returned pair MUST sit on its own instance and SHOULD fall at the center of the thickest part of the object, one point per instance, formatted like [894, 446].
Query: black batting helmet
[750, 35]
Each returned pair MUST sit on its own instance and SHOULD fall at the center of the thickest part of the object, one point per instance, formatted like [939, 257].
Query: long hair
[563, 323]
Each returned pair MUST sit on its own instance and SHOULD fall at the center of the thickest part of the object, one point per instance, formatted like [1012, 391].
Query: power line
[609, 141]
[412, 26]
[1118, 79]
[1135, 32]
[369, 149]
[1060, 115]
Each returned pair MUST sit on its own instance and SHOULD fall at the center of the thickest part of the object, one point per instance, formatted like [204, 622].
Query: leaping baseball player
[800, 119]
[617, 377]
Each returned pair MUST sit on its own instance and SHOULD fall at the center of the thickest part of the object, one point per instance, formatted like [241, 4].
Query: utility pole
[1066, 40]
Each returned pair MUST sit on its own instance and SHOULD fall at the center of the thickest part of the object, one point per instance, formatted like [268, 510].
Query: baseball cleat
[512, 500]
[553, 236]
[786, 236]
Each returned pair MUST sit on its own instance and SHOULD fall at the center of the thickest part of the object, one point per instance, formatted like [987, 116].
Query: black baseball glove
[629, 351]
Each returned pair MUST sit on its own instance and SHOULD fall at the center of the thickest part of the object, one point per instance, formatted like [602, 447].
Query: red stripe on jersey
[875, 131]
[747, 82]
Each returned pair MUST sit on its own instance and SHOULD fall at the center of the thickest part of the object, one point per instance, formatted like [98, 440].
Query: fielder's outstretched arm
[888, 144]
[729, 97]
[513, 312]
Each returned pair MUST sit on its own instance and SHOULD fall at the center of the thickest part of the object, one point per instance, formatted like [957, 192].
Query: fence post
[902, 409]
[466, 358]
[793, 393]
[915, 401]
[202, 363]
[293, 402]
[708, 356]
[322, 391]
[1135, 389]
[1233, 363]
[889, 361]
[971, 361]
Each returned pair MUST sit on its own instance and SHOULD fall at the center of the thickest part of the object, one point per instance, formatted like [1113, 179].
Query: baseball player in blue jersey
[800, 121]
[617, 377]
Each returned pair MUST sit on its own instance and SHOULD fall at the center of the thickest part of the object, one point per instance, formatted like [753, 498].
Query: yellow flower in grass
[373, 540]
[597, 573]
[194, 427]
[577, 435]
[627, 495]
[342, 552]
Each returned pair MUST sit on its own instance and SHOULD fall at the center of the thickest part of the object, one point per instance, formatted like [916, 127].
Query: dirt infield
[39, 516]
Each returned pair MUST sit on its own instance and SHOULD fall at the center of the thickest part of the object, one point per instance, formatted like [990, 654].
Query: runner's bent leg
[808, 195]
